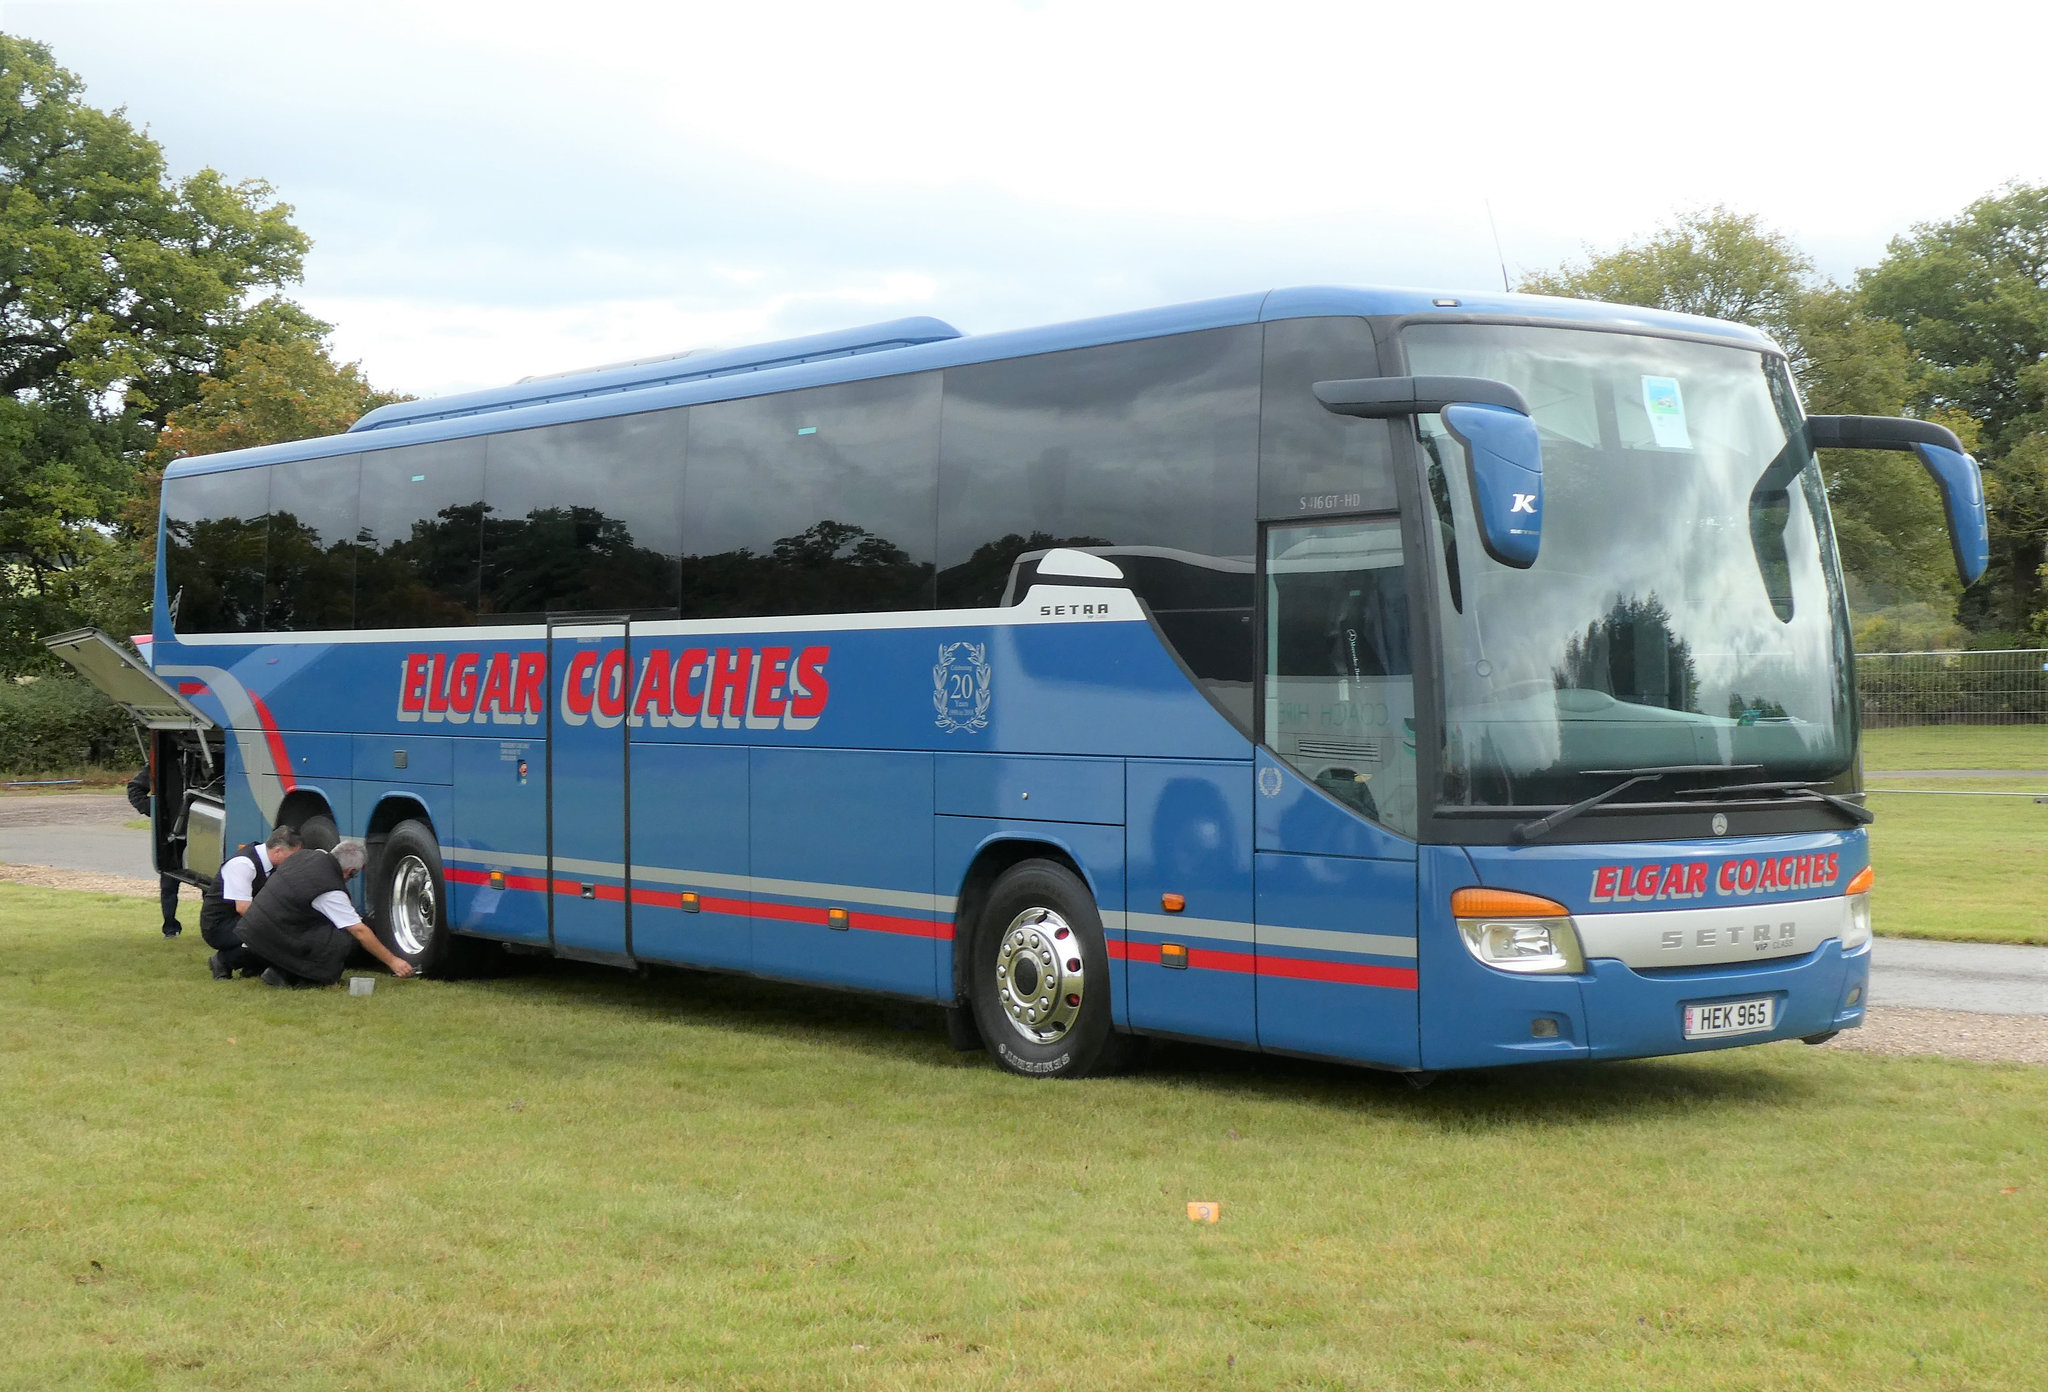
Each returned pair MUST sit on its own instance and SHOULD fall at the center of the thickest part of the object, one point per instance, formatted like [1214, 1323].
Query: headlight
[1517, 932]
[1857, 933]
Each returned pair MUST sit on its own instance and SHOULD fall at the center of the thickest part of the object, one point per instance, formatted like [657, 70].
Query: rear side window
[214, 528]
[310, 562]
[419, 535]
[584, 516]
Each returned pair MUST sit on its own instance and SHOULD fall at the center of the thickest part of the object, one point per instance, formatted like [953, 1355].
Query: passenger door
[1336, 938]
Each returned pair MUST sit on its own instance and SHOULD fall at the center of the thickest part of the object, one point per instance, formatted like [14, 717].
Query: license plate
[1730, 1017]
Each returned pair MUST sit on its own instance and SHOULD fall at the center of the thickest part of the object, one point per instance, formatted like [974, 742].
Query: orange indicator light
[1865, 878]
[1173, 903]
[1504, 903]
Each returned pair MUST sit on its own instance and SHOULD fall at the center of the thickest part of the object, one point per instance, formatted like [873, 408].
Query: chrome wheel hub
[414, 914]
[1039, 975]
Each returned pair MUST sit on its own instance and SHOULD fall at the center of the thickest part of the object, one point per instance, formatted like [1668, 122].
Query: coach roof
[905, 346]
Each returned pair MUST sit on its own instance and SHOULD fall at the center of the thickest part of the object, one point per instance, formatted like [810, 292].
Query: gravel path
[1899, 1029]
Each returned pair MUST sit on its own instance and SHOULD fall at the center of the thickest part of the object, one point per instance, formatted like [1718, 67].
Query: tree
[1971, 296]
[120, 286]
[1727, 265]
[267, 393]
[1717, 263]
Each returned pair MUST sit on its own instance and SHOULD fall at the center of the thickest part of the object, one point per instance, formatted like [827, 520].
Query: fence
[2007, 687]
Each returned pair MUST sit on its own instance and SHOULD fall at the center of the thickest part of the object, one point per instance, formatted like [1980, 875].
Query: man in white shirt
[221, 907]
[302, 924]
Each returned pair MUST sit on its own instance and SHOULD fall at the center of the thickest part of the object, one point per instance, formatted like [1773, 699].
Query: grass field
[1957, 747]
[1970, 869]
[574, 1178]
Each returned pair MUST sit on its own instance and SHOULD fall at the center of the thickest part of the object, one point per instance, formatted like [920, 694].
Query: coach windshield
[1686, 608]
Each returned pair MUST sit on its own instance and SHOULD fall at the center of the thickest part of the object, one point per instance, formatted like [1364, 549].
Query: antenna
[1496, 247]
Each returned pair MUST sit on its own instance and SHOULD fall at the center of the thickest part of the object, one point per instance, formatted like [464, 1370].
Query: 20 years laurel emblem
[962, 689]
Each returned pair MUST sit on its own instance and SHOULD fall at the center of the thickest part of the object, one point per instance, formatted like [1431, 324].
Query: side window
[419, 527]
[309, 574]
[1145, 452]
[1340, 685]
[584, 516]
[1310, 460]
[812, 502]
[213, 550]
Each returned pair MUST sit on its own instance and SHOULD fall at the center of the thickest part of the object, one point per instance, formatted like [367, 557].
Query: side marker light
[838, 919]
[1173, 955]
[1173, 903]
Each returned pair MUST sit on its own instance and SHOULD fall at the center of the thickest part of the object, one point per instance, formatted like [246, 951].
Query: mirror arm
[1878, 432]
[1955, 474]
[1387, 398]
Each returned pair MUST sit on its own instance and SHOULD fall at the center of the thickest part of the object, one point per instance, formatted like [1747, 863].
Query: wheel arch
[392, 809]
[300, 804]
[991, 859]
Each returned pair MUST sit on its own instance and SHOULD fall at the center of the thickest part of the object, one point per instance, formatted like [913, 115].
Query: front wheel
[408, 901]
[1040, 976]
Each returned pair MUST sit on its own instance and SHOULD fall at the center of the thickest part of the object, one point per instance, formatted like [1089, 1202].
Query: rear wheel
[408, 903]
[1040, 976]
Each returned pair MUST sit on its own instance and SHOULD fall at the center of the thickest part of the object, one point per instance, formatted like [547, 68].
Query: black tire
[408, 897]
[319, 833]
[1036, 951]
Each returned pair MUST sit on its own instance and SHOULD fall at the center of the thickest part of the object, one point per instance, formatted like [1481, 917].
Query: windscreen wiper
[1855, 811]
[1529, 831]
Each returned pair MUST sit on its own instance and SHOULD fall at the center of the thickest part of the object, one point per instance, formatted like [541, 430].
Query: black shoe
[172, 929]
[221, 970]
[274, 979]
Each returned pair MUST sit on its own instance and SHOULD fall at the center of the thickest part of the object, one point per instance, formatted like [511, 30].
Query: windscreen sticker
[1666, 407]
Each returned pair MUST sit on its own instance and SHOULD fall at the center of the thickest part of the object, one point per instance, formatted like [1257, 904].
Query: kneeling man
[302, 924]
[242, 876]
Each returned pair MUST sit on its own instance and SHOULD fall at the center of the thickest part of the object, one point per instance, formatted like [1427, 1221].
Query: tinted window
[418, 532]
[812, 502]
[310, 572]
[1340, 689]
[584, 516]
[1145, 452]
[213, 550]
[1311, 461]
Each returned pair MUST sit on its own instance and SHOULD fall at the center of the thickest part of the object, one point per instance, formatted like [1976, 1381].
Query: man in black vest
[302, 924]
[242, 876]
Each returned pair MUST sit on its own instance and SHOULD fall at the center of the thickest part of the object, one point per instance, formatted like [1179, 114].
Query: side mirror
[1941, 454]
[1503, 456]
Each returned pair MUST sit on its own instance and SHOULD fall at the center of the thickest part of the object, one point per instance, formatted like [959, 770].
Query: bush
[54, 723]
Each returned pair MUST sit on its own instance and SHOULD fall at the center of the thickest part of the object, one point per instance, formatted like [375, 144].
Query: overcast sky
[507, 188]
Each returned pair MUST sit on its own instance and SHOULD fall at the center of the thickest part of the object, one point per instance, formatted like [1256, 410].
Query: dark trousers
[258, 962]
[241, 959]
[167, 895]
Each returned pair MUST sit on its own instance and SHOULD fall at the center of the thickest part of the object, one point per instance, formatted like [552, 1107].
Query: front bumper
[1639, 1014]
